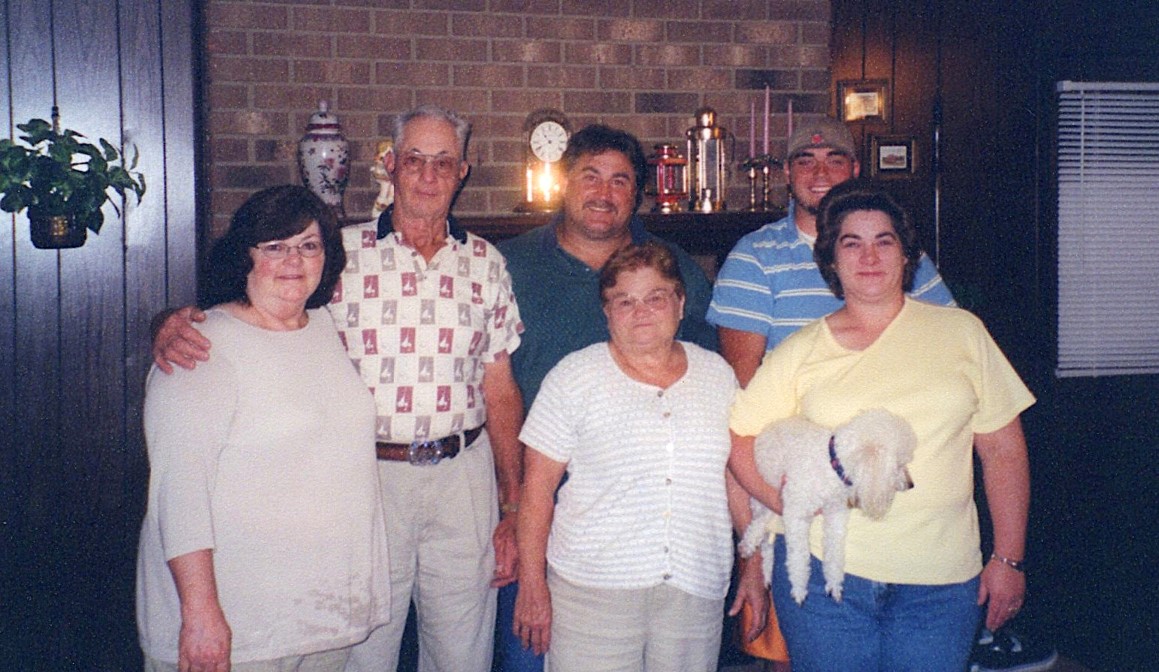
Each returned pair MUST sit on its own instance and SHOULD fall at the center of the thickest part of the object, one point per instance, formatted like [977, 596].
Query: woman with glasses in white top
[628, 570]
[263, 546]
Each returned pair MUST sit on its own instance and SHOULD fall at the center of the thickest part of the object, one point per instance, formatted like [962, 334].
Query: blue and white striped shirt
[770, 285]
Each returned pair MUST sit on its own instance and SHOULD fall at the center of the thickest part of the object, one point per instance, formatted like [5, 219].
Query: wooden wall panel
[182, 56]
[36, 351]
[144, 239]
[913, 100]
[8, 501]
[74, 325]
[91, 331]
[36, 313]
[998, 63]
[87, 89]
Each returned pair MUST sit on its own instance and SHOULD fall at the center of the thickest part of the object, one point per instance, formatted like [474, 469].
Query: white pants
[658, 629]
[439, 521]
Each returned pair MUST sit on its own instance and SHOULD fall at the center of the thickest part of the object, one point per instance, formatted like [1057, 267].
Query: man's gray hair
[462, 126]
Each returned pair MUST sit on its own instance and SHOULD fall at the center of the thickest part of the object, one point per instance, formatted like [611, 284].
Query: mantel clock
[546, 133]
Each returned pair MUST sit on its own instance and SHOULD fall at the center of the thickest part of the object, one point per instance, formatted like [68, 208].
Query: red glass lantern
[667, 179]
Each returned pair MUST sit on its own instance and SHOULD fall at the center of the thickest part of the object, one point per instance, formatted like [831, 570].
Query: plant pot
[56, 232]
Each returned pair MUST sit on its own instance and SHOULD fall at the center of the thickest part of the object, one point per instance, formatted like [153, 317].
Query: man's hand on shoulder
[177, 341]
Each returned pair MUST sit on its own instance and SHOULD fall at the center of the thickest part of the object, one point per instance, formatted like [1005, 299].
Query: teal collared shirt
[559, 302]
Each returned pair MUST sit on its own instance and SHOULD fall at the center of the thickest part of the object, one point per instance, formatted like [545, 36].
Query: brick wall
[641, 65]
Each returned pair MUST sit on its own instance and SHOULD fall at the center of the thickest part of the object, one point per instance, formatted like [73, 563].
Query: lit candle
[766, 148]
[545, 183]
[790, 116]
[530, 185]
[752, 128]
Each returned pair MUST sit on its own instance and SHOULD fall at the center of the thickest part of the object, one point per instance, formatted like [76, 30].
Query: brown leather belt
[426, 452]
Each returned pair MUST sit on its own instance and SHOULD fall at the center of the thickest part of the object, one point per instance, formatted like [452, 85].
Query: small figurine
[378, 172]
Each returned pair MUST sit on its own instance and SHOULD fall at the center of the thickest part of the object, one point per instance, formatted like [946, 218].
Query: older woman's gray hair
[651, 254]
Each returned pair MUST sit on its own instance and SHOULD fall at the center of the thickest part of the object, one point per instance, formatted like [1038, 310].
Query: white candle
[545, 183]
[766, 147]
[530, 185]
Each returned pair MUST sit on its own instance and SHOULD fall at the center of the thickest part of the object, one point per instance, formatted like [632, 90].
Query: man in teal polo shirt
[555, 268]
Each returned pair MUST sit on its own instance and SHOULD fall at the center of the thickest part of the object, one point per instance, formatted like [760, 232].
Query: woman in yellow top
[915, 580]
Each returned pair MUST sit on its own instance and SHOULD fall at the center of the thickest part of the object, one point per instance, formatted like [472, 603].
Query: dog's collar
[836, 463]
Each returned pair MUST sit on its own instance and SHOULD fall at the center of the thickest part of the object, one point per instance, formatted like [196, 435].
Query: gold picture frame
[864, 100]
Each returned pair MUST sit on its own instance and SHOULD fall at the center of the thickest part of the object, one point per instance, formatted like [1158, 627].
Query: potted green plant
[63, 181]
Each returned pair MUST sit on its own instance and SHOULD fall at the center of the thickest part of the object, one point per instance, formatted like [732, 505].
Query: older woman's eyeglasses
[657, 299]
[308, 249]
[415, 162]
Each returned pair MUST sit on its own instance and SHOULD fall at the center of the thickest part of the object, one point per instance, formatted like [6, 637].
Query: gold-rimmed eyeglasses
[657, 299]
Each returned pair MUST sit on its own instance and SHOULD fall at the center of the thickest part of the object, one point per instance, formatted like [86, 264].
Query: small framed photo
[863, 100]
[891, 155]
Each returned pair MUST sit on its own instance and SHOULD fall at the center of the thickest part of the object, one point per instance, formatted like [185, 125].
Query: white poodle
[860, 464]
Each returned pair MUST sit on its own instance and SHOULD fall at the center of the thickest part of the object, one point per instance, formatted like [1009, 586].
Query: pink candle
[766, 146]
[752, 128]
[790, 116]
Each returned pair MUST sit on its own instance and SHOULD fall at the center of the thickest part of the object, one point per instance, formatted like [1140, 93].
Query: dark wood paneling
[9, 498]
[36, 365]
[1091, 440]
[7, 336]
[182, 54]
[74, 323]
[92, 332]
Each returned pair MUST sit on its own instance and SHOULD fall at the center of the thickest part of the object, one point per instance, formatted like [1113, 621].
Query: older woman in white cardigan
[629, 570]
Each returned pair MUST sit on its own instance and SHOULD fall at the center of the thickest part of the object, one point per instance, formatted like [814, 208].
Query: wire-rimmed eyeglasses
[308, 249]
[416, 162]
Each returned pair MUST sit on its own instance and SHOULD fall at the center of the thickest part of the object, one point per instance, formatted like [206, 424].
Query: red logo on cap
[817, 138]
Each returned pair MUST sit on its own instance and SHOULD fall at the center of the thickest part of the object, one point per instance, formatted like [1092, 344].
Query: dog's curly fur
[873, 449]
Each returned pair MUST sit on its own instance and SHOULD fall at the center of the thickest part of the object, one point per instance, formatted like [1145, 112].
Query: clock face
[548, 140]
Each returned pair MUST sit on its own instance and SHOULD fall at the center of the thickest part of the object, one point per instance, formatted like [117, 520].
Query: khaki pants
[660, 629]
[439, 521]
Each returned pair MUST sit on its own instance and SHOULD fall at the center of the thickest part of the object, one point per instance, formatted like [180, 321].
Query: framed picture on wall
[863, 100]
[891, 155]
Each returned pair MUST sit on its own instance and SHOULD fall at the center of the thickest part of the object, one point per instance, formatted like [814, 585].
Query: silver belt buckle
[422, 453]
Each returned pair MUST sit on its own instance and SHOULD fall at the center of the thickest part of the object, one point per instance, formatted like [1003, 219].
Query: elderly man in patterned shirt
[428, 317]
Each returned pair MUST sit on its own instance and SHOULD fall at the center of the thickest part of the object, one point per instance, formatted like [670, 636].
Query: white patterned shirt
[419, 333]
[644, 502]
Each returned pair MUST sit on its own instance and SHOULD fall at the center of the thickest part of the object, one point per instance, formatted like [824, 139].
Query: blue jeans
[510, 656]
[877, 627]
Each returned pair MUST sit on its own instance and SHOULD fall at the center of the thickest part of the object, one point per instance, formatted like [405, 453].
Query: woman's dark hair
[851, 196]
[597, 139]
[275, 213]
[651, 254]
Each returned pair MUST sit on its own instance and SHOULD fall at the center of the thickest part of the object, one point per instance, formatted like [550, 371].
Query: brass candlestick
[760, 168]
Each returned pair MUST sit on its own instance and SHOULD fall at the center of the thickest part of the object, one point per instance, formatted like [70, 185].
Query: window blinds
[1108, 228]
